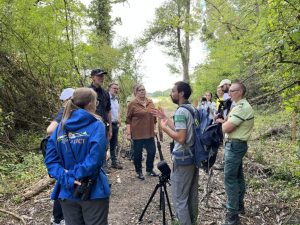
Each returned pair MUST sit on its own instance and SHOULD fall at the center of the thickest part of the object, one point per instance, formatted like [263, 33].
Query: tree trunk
[37, 188]
[186, 62]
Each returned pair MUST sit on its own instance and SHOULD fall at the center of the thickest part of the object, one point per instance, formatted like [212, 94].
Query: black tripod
[163, 191]
[163, 180]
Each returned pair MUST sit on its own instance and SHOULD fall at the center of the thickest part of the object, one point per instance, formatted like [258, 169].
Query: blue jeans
[233, 175]
[138, 150]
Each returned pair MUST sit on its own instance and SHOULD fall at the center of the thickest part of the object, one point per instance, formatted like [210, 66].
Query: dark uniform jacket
[104, 103]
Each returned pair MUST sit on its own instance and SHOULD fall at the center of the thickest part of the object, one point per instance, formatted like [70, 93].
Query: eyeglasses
[231, 91]
[116, 88]
[97, 103]
[140, 90]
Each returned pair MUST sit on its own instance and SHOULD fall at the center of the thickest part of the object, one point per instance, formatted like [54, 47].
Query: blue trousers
[57, 212]
[233, 175]
[138, 151]
[113, 142]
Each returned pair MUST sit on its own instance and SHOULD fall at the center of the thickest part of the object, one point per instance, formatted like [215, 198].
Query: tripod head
[162, 165]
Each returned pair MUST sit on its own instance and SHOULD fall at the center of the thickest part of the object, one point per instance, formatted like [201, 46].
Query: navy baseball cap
[97, 72]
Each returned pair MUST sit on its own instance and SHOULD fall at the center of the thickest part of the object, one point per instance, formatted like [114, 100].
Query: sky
[135, 17]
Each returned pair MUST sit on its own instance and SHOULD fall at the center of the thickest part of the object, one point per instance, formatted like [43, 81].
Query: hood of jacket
[79, 118]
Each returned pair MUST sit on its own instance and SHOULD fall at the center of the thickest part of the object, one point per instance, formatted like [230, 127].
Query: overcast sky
[134, 20]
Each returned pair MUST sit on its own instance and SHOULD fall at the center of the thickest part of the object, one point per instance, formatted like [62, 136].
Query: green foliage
[277, 153]
[6, 122]
[165, 93]
[19, 170]
[45, 49]
[250, 41]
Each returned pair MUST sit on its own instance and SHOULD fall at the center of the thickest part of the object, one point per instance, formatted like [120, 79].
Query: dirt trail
[130, 195]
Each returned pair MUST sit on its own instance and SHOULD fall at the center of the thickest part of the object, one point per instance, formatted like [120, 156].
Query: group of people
[83, 130]
[90, 119]
[237, 118]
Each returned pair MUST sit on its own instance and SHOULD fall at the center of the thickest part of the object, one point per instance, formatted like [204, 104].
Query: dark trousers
[113, 143]
[138, 150]
[104, 162]
[91, 212]
[233, 175]
[57, 212]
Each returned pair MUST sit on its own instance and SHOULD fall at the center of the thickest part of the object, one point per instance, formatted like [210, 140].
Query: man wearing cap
[225, 85]
[58, 217]
[115, 121]
[103, 108]
[237, 129]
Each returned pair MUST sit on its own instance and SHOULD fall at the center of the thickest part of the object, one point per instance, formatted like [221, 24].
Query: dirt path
[130, 195]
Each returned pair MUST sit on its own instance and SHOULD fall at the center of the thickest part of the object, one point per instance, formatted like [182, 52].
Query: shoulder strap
[188, 108]
[71, 147]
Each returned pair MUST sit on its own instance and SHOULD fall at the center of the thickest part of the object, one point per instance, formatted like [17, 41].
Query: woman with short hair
[141, 128]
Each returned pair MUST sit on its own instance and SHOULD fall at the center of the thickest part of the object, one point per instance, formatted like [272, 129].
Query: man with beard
[238, 130]
[225, 85]
[184, 178]
[103, 108]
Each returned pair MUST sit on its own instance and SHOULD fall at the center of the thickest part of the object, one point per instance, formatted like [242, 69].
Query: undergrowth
[277, 153]
[20, 169]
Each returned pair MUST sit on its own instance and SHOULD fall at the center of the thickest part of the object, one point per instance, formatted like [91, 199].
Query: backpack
[208, 137]
[43, 147]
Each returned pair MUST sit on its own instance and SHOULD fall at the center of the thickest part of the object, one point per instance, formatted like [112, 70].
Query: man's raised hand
[158, 113]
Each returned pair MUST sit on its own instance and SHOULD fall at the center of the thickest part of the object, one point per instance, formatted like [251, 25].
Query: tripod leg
[168, 201]
[162, 191]
[150, 199]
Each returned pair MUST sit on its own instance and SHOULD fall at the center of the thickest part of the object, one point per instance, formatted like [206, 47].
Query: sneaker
[241, 208]
[152, 173]
[231, 219]
[62, 222]
[220, 167]
[116, 166]
[106, 169]
[140, 176]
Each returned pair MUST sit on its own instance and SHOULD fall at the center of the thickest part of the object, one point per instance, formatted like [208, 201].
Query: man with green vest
[237, 131]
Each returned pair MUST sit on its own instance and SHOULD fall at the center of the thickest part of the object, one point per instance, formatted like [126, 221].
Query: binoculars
[83, 191]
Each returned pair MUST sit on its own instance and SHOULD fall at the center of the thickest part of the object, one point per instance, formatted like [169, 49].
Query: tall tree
[173, 28]
[101, 20]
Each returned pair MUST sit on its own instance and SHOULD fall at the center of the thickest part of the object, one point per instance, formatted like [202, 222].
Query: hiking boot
[231, 219]
[241, 208]
[153, 174]
[116, 166]
[106, 169]
[140, 176]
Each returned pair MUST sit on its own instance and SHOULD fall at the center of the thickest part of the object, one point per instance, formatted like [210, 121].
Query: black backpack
[43, 147]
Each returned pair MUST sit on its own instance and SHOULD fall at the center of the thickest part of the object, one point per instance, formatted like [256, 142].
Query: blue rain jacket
[87, 137]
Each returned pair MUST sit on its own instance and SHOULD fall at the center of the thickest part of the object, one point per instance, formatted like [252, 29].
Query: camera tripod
[163, 191]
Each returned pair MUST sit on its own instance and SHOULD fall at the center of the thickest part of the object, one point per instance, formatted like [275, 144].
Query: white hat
[225, 81]
[67, 93]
